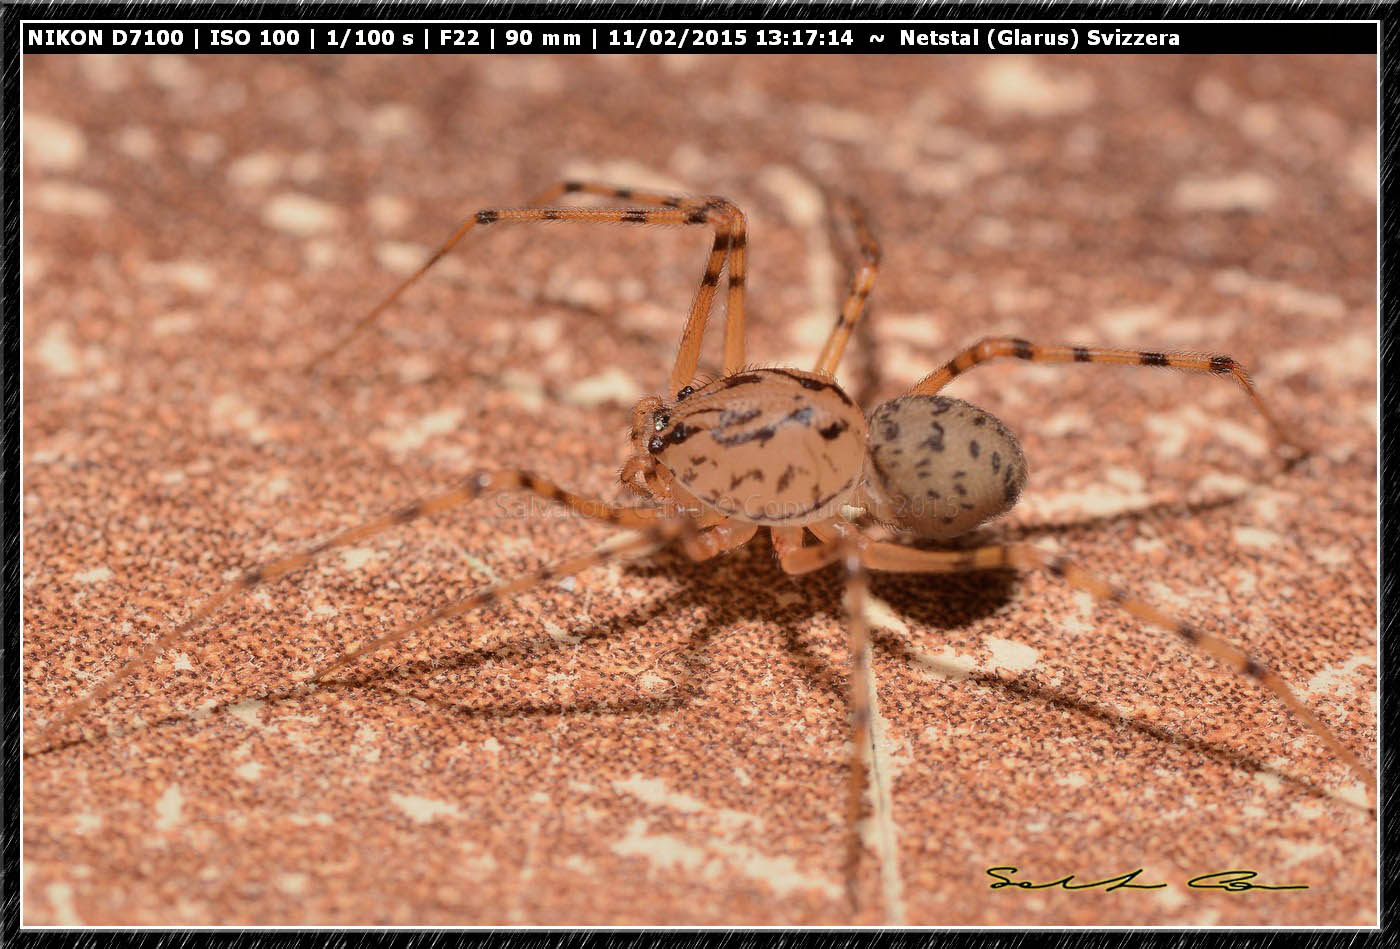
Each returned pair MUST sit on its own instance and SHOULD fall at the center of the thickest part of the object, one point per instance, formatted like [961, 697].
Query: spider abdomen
[939, 467]
[777, 447]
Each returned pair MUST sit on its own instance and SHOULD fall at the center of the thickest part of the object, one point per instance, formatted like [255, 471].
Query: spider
[787, 450]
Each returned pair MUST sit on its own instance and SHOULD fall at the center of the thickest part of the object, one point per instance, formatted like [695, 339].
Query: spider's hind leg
[994, 347]
[862, 282]
[894, 557]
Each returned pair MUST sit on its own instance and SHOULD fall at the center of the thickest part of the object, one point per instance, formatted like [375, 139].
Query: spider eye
[661, 421]
[686, 392]
[656, 444]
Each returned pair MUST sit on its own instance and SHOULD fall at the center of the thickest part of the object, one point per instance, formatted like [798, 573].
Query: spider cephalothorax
[775, 447]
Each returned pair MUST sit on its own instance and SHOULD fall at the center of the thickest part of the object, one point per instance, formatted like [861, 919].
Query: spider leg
[993, 347]
[862, 282]
[470, 489]
[797, 559]
[894, 557]
[718, 213]
[656, 536]
[737, 247]
[717, 538]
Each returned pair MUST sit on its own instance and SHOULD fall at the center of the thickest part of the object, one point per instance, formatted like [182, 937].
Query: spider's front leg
[728, 249]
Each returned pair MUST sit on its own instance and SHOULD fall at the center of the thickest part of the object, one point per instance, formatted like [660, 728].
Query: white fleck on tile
[1256, 537]
[57, 353]
[65, 911]
[1096, 500]
[170, 808]
[668, 853]
[249, 770]
[367, 745]
[611, 385]
[1213, 96]
[230, 411]
[651, 682]
[424, 810]
[52, 143]
[946, 663]
[839, 125]
[174, 73]
[1249, 439]
[173, 323]
[86, 823]
[357, 557]
[1170, 899]
[655, 791]
[388, 212]
[1223, 485]
[247, 712]
[95, 575]
[1018, 84]
[393, 121]
[256, 169]
[1131, 324]
[293, 884]
[1361, 167]
[917, 329]
[1280, 295]
[1334, 678]
[662, 850]
[491, 746]
[1332, 556]
[193, 275]
[1009, 655]
[62, 197]
[400, 257]
[879, 614]
[801, 200]
[1245, 191]
[409, 436]
[301, 215]
[106, 72]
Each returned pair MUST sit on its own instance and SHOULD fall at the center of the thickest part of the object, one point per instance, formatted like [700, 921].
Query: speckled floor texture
[665, 742]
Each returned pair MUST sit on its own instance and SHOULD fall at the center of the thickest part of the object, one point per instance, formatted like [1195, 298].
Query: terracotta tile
[664, 742]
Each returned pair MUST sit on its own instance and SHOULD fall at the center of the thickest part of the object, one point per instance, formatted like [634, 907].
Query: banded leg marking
[730, 248]
[713, 212]
[994, 347]
[862, 282]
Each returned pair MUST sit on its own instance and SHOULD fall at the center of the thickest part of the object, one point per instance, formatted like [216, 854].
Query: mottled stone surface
[665, 742]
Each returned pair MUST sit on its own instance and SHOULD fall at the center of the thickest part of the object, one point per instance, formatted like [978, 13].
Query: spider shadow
[934, 601]
[526, 650]
[418, 671]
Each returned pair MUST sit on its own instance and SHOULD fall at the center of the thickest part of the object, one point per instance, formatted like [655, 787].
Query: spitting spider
[790, 451]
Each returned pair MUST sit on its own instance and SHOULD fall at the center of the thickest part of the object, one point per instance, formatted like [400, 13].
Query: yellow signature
[1234, 881]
